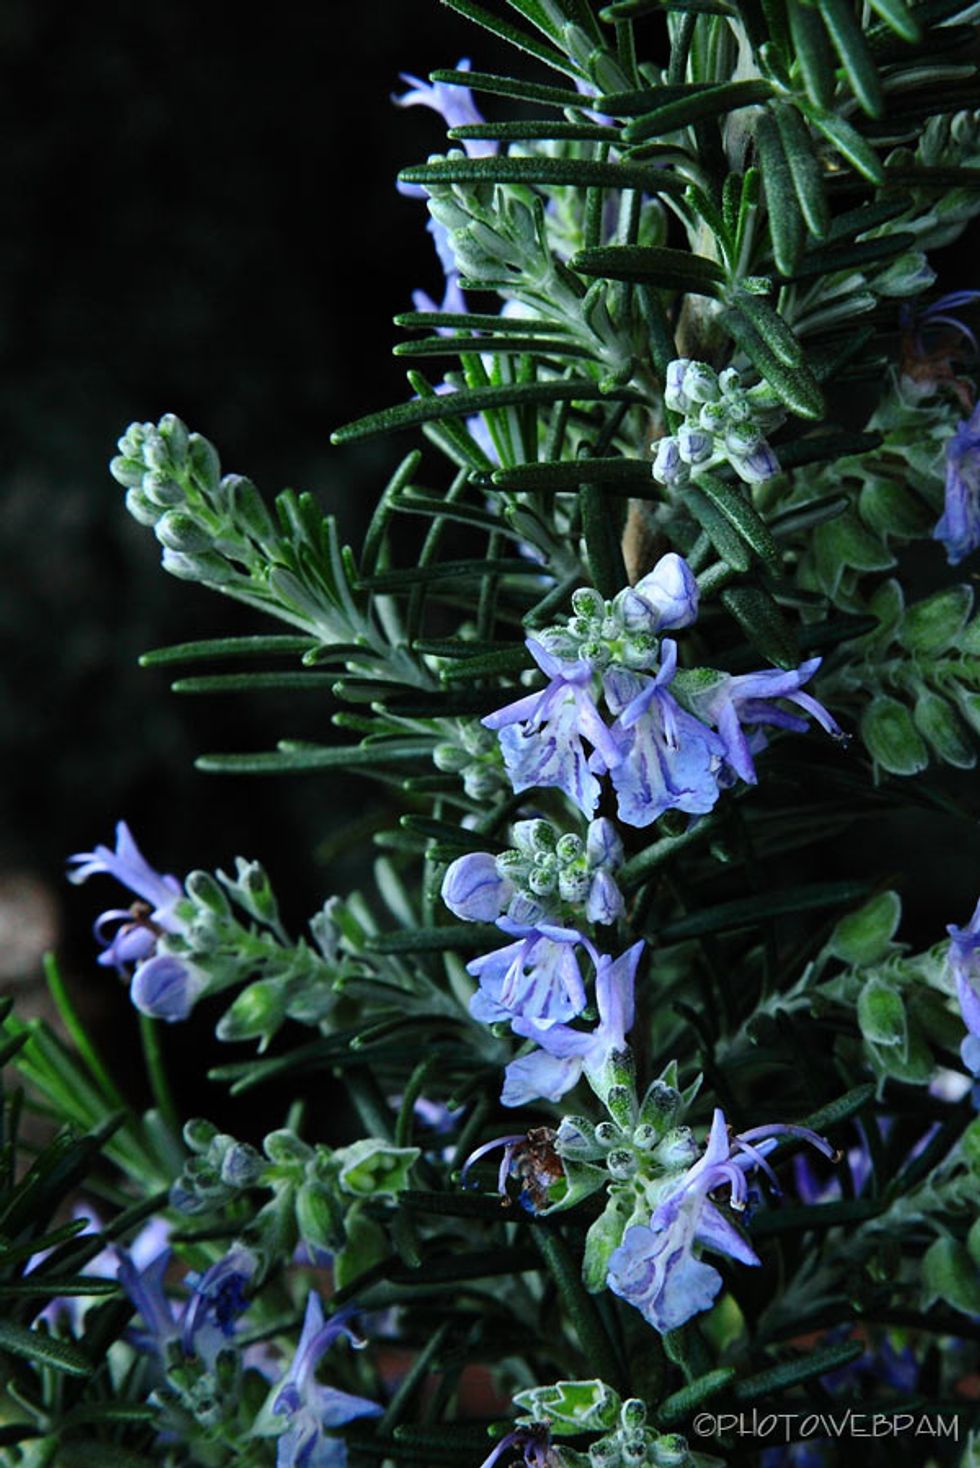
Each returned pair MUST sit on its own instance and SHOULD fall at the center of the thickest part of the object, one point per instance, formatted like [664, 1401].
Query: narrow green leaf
[657, 265]
[638, 100]
[848, 142]
[727, 917]
[413, 1379]
[559, 475]
[777, 335]
[806, 170]
[899, 18]
[226, 647]
[812, 51]
[681, 1403]
[44, 1350]
[453, 938]
[803, 1368]
[761, 620]
[842, 1109]
[450, 571]
[786, 228]
[253, 682]
[457, 346]
[596, 1346]
[577, 173]
[513, 35]
[849, 42]
[478, 321]
[711, 102]
[315, 757]
[742, 515]
[602, 535]
[797, 1218]
[818, 448]
[531, 130]
[493, 664]
[795, 386]
[460, 1205]
[641, 867]
[466, 401]
[831, 259]
[634, 9]
[725, 539]
[505, 86]
[82, 1285]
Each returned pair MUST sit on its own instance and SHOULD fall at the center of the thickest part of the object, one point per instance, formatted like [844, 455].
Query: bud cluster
[722, 425]
[620, 632]
[544, 864]
[313, 1187]
[641, 1144]
[213, 528]
[474, 756]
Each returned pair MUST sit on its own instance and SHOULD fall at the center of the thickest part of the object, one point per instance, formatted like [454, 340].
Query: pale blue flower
[452, 297]
[217, 1299]
[667, 758]
[964, 962]
[163, 985]
[130, 868]
[145, 1247]
[959, 525]
[310, 1409]
[536, 978]
[565, 1054]
[656, 1267]
[452, 101]
[732, 704]
[541, 734]
[530, 1446]
[143, 1284]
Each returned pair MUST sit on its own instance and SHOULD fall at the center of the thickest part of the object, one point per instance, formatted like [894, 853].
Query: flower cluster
[163, 985]
[544, 876]
[659, 754]
[663, 1209]
[722, 424]
[180, 942]
[300, 1410]
[204, 1322]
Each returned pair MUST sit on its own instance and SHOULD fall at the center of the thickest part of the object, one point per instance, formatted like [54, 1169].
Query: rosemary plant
[667, 1150]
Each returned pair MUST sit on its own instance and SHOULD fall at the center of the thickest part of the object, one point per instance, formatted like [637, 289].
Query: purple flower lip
[509, 1143]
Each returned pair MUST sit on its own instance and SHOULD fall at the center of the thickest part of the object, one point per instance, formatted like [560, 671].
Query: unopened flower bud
[694, 445]
[587, 603]
[675, 397]
[668, 466]
[701, 383]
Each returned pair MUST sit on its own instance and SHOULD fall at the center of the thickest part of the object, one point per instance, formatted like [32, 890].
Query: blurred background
[201, 218]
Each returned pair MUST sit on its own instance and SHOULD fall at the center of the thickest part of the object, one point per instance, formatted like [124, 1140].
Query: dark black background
[200, 217]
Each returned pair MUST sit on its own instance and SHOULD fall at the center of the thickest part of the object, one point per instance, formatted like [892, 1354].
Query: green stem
[156, 1072]
[597, 1348]
[75, 1028]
